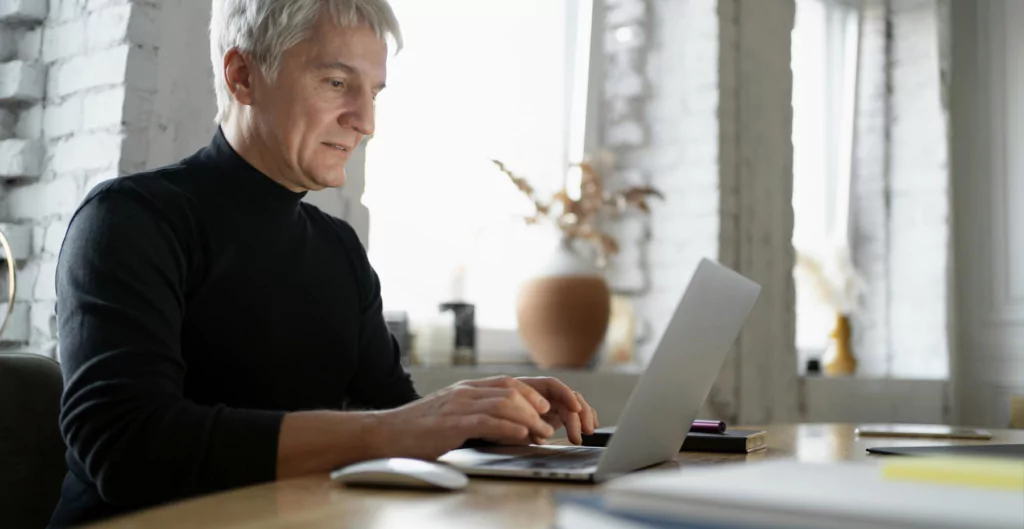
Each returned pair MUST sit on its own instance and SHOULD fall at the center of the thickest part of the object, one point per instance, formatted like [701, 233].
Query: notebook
[935, 493]
[730, 441]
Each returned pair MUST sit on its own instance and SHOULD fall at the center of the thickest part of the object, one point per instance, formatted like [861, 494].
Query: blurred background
[855, 157]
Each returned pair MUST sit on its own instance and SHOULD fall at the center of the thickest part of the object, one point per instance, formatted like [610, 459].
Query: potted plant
[563, 308]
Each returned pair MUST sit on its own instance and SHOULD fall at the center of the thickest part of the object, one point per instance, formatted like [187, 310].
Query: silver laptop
[664, 402]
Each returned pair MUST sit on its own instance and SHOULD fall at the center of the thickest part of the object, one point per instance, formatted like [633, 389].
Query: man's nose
[360, 116]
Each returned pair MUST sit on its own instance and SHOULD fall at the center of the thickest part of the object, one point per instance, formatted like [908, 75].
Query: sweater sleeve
[380, 382]
[121, 281]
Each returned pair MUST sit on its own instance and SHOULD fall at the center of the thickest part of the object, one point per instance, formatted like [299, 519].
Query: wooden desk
[317, 502]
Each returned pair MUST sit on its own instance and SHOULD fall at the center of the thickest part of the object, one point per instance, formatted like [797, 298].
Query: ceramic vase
[841, 361]
[563, 309]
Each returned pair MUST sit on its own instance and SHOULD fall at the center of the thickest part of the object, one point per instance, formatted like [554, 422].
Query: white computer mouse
[397, 472]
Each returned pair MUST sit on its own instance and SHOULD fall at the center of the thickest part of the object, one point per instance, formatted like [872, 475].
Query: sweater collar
[251, 181]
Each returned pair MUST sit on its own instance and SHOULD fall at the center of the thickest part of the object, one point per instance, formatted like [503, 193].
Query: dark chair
[32, 463]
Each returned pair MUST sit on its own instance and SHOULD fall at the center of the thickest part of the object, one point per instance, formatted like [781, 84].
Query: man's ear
[238, 74]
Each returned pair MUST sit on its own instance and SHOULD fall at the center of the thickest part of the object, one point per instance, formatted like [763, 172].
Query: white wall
[919, 195]
[22, 89]
[869, 194]
[715, 119]
[83, 51]
[756, 172]
[988, 183]
[184, 107]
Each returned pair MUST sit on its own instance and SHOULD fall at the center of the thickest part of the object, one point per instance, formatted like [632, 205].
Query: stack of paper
[901, 493]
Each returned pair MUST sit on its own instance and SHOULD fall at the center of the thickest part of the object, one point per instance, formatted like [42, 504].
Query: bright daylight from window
[824, 73]
[467, 88]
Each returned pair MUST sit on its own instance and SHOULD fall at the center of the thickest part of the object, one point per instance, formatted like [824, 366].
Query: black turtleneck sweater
[197, 304]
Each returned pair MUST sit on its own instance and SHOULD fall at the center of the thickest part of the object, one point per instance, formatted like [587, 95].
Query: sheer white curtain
[824, 61]
[477, 80]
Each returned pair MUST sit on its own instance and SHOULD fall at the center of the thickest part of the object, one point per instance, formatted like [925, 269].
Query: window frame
[496, 345]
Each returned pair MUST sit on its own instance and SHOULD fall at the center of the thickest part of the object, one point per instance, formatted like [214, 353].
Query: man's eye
[337, 84]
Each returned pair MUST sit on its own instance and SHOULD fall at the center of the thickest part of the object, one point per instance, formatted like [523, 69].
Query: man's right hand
[498, 409]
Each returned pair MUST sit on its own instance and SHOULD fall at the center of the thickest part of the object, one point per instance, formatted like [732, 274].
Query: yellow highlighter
[982, 472]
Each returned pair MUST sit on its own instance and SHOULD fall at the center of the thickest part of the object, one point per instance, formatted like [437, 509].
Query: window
[824, 62]
[477, 80]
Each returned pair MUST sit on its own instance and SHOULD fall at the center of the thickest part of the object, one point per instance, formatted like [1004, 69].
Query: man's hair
[264, 29]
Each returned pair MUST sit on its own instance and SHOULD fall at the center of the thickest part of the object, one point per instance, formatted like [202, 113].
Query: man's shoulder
[165, 196]
[175, 186]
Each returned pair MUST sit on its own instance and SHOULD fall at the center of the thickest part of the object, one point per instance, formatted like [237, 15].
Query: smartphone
[921, 430]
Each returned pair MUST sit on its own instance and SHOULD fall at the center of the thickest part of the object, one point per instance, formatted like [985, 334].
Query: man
[213, 327]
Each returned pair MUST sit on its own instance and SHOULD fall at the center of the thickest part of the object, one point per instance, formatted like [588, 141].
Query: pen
[707, 426]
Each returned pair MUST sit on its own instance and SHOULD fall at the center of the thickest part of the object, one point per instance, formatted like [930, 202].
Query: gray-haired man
[211, 323]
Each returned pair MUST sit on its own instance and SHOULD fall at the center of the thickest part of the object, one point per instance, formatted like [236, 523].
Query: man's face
[320, 105]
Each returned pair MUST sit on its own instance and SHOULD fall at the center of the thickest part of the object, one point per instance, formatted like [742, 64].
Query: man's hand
[499, 409]
[568, 408]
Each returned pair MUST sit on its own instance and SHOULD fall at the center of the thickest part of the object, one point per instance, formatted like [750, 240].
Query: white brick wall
[81, 58]
[30, 43]
[93, 69]
[19, 237]
[87, 151]
[30, 122]
[43, 200]
[20, 11]
[62, 41]
[18, 330]
[8, 45]
[8, 121]
[21, 82]
[19, 158]
[680, 156]
[718, 147]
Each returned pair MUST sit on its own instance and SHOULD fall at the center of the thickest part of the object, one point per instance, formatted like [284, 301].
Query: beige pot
[563, 311]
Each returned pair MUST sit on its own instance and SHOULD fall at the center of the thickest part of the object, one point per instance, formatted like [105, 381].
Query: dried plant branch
[578, 218]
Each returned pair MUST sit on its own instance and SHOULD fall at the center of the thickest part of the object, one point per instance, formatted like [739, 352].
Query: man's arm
[121, 282]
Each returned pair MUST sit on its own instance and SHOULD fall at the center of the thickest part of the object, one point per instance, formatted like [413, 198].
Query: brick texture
[718, 147]
[22, 11]
[19, 158]
[21, 82]
[680, 156]
[72, 68]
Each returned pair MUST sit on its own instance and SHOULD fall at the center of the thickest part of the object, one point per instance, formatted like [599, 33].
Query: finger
[573, 430]
[597, 423]
[556, 391]
[586, 415]
[482, 426]
[531, 395]
[554, 419]
[513, 407]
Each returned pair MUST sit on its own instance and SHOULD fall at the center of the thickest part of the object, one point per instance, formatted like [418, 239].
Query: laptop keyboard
[566, 459]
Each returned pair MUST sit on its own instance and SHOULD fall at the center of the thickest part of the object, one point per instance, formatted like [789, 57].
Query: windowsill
[870, 378]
